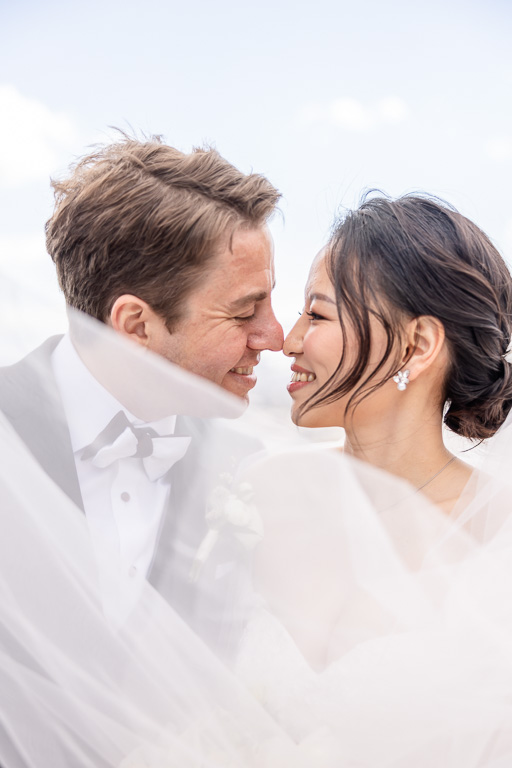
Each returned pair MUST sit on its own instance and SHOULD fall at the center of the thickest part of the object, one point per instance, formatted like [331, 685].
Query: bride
[407, 323]
[377, 623]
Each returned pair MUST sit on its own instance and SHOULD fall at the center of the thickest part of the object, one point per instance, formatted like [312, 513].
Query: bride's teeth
[304, 377]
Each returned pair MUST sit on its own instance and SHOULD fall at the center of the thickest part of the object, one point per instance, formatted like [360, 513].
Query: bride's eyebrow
[321, 297]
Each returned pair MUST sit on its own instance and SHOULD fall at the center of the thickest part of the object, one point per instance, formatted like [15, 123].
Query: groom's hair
[143, 218]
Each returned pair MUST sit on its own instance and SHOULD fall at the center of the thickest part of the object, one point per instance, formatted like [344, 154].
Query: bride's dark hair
[414, 256]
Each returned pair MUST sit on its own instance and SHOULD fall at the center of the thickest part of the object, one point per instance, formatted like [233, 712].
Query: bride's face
[316, 343]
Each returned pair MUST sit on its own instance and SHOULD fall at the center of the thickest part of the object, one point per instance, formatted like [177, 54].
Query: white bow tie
[121, 440]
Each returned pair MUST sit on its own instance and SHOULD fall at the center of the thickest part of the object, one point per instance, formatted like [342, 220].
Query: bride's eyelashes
[312, 315]
[315, 316]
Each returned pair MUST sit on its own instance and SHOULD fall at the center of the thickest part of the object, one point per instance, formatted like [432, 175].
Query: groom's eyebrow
[251, 298]
[244, 301]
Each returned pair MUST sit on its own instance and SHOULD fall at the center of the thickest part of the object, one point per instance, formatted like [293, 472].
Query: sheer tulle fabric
[321, 613]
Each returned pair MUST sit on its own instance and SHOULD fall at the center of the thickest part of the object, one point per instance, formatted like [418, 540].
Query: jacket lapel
[30, 400]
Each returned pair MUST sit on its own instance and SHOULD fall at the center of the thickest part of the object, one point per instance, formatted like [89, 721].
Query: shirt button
[125, 496]
[133, 571]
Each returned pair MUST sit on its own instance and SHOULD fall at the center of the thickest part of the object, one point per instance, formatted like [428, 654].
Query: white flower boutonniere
[230, 511]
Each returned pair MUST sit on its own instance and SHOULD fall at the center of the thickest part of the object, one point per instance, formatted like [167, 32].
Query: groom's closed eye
[245, 317]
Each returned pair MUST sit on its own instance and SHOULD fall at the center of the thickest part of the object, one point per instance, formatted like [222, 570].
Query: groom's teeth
[296, 376]
[242, 371]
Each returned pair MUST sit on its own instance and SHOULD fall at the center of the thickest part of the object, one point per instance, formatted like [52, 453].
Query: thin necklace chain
[417, 490]
[436, 475]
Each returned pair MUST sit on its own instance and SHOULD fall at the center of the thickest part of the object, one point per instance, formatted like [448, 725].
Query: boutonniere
[230, 511]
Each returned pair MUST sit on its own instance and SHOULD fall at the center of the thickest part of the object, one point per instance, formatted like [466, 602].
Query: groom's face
[228, 320]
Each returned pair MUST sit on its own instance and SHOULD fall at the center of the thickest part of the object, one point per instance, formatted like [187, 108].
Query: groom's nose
[268, 335]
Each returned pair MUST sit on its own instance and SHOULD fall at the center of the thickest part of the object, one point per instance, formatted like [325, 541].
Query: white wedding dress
[402, 700]
[415, 668]
[374, 630]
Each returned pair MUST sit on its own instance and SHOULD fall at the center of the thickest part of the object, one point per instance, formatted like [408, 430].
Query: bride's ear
[425, 339]
[132, 317]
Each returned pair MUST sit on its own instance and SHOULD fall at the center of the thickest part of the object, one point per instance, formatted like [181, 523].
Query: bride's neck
[402, 444]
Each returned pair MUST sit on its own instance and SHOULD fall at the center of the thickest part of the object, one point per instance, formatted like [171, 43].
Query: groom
[172, 251]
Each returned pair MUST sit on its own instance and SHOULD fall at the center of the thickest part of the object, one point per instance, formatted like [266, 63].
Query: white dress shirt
[123, 507]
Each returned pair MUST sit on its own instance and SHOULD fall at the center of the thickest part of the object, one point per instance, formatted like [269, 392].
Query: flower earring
[402, 380]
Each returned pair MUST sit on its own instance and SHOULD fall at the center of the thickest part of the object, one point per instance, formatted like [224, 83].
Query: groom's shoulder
[31, 377]
[37, 356]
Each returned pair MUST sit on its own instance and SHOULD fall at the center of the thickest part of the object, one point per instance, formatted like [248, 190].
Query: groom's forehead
[244, 267]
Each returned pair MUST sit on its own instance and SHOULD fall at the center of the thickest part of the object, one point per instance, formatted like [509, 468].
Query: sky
[327, 99]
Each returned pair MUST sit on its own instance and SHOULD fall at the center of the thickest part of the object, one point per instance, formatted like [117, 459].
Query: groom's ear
[132, 317]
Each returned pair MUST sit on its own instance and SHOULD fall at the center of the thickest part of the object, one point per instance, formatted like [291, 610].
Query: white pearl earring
[402, 380]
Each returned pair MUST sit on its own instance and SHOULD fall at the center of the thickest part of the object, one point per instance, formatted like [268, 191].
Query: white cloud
[350, 114]
[32, 137]
[499, 148]
[353, 115]
[392, 110]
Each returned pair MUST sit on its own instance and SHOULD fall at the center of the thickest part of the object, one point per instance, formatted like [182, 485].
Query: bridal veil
[305, 609]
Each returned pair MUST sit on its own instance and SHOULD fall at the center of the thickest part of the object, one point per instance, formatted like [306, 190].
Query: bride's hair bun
[478, 403]
[417, 256]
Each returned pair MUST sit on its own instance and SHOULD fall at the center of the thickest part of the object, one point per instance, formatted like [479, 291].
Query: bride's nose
[293, 342]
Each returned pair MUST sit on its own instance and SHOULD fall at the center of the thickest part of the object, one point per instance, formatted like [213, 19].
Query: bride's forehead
[318, 277]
